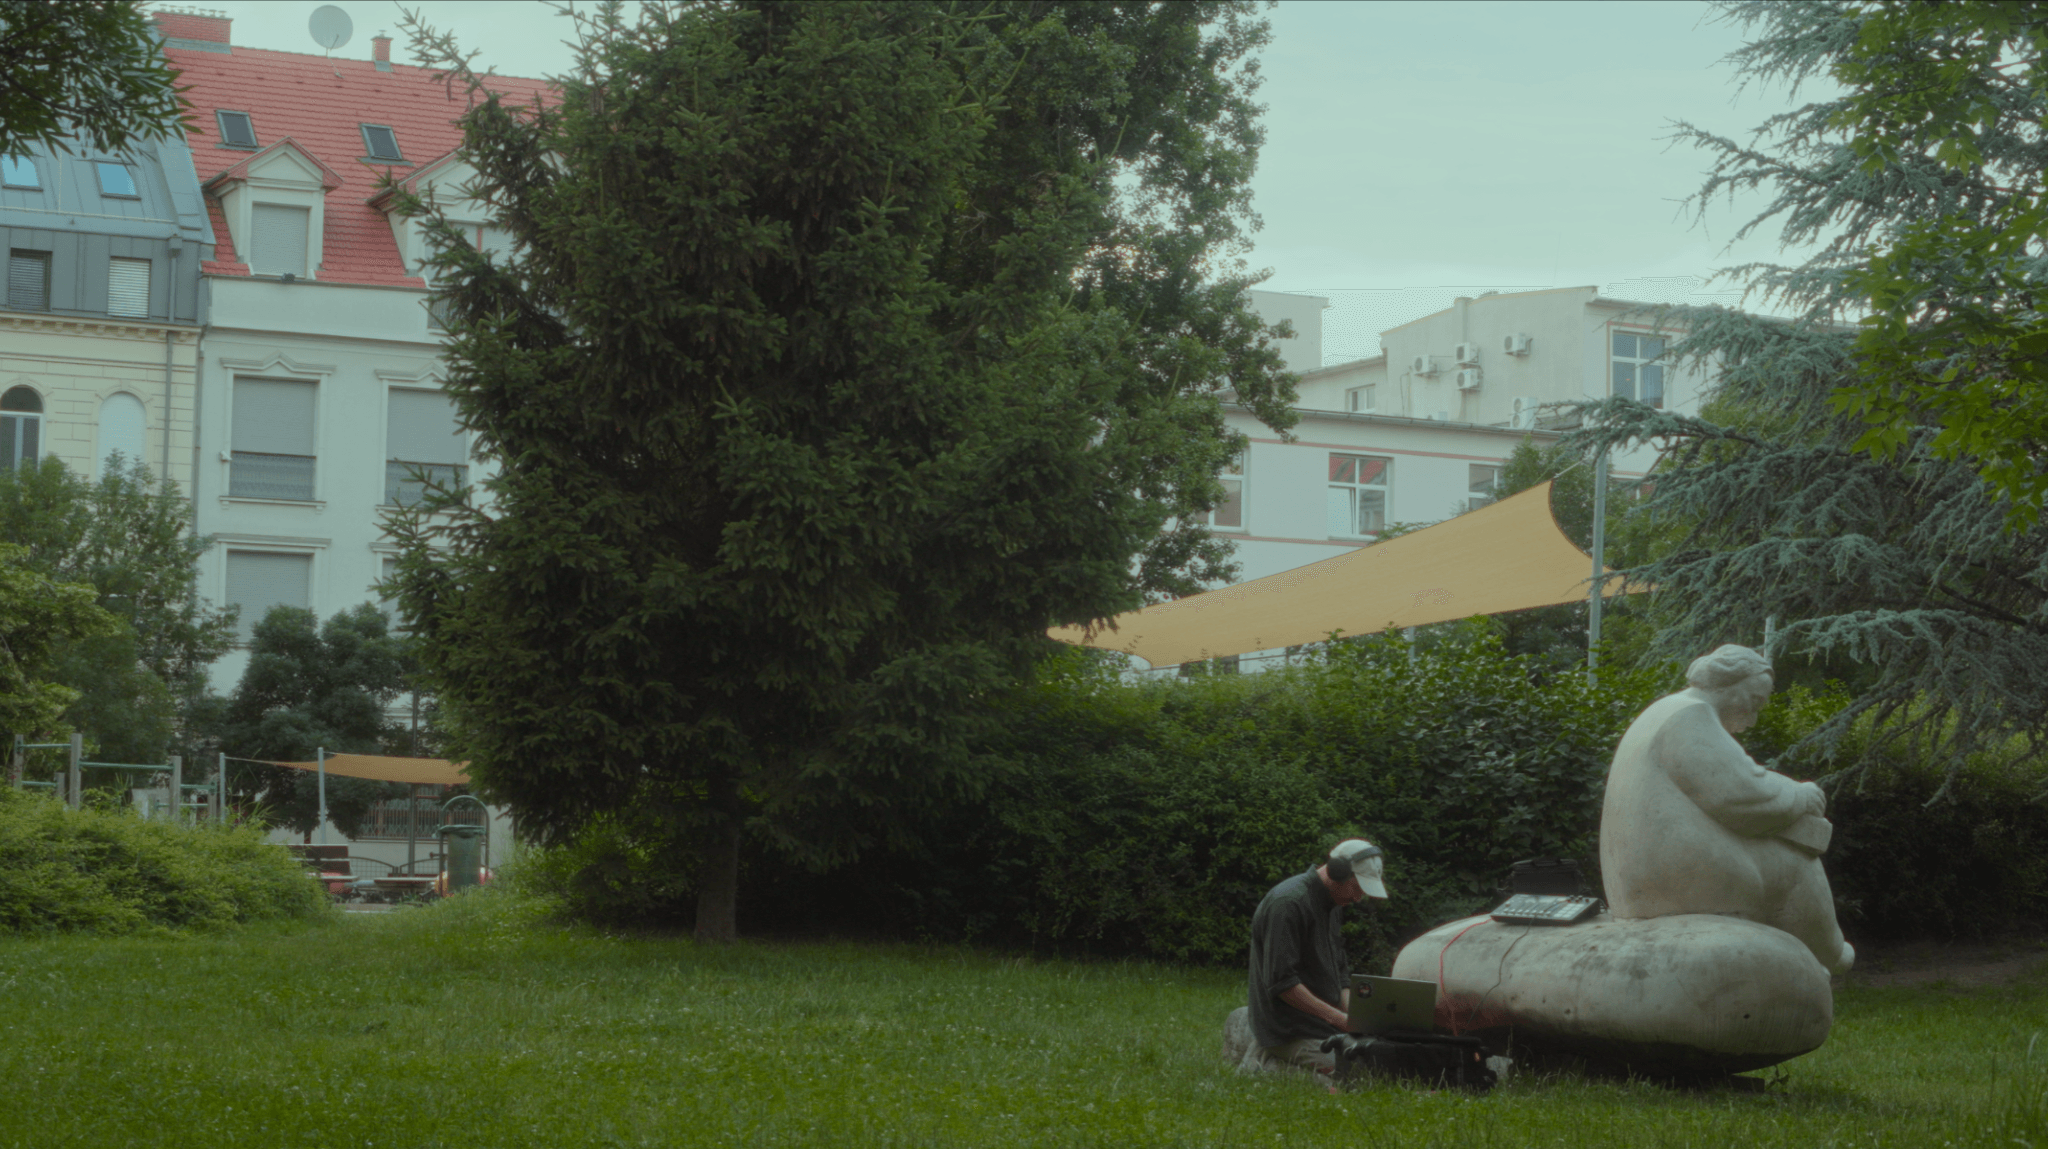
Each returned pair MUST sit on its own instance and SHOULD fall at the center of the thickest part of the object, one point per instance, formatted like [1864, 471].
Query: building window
[116, 180]
[279, 246]
[388, 570]
[381, 143]
[123, 427]
[128, 287]
[1229, 514]
[21, 427]
[19, 172]
[1480, 481]
[273, 440]
[236, 129]
[1358, 495]
[1635, 377]
[261, 580]
[423, 444]
[28, 281]
[438, 311]
[1362, 398]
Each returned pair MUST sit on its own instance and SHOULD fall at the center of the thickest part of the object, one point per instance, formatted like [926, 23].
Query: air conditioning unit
[1468, 379]
[1423, 365]
[1525, 413]
[1517, 344]
[1468, 353]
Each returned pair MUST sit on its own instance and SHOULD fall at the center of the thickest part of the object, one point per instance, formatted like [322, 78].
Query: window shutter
[279, 242]
[422, 428]
[128, 287]
[122, 429]
[28, 281]
[495, 242]
[259, 581]
[274, 416]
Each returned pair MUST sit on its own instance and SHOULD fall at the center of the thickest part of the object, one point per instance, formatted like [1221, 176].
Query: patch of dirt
[1964, 965]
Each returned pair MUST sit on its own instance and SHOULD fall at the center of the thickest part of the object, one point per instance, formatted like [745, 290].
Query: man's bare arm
[1298, 996]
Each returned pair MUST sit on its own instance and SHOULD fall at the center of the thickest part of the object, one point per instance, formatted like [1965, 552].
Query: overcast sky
[1413, 149]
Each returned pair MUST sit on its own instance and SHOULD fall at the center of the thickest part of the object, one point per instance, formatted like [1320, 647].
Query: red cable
[1440, 987]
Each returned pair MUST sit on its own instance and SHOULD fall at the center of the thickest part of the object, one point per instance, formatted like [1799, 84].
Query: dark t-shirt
[1296, 941]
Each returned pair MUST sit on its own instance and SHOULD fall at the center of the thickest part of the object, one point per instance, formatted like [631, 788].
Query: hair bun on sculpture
[1726, 666]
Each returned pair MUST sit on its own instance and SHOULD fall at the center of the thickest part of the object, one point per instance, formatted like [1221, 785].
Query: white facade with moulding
[348, 350]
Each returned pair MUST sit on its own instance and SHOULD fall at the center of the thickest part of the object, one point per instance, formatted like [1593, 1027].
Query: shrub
[104, 870]
[1149, 818]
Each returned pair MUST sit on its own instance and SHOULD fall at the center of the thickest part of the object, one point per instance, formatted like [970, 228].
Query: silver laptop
[1392, 1005]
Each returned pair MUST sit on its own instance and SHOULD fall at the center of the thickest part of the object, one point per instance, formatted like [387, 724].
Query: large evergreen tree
[847, 348]
[1898, 561]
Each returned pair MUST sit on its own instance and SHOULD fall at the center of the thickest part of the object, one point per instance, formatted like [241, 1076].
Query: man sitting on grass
[1300, 975]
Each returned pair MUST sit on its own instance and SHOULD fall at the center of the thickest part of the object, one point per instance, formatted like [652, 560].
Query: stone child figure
[1692, 825]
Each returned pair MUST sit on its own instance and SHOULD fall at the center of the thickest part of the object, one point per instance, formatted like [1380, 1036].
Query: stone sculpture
[1715, 957]
[1692, 825]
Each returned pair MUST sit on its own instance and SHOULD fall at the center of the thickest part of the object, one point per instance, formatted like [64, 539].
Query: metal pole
[72, 778]
[1599, 567]
[18, 763]
[322, 762]
[220, 785]
[177, 788]
[412, 830]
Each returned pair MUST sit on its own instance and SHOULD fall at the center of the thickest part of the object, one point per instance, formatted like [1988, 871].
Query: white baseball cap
[1358, 858]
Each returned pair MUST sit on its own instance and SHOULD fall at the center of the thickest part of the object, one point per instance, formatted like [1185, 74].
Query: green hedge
[104, 870]
[1148, 819]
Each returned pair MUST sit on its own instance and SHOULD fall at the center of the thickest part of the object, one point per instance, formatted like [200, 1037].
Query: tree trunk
[718, 872]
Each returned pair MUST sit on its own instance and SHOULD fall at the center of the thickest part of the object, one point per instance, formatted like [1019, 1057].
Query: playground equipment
[69, 784]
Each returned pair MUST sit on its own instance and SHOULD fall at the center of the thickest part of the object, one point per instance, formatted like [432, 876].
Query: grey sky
[1410, 146]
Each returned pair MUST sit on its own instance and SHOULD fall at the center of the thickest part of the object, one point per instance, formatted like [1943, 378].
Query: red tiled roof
[320, 103]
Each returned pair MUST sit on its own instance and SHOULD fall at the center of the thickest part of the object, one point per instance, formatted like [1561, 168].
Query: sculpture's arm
[1711, 769]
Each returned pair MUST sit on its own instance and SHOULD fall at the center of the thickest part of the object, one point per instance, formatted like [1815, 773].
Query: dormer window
[116, 181]
[381, 143]
[236, 129]
[19, 172]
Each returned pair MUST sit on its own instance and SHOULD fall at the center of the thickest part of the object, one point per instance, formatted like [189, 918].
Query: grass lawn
[464, 1025]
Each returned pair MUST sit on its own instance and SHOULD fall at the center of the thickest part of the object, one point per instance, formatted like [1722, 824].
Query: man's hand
[1298, 996]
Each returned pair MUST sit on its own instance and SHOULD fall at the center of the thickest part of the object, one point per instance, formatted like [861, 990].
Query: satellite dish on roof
[330, 26]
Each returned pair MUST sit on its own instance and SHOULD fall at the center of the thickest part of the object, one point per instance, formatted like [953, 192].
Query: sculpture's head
[1736, 680]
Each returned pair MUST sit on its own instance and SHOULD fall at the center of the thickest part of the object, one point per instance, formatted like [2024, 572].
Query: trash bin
[461, 855]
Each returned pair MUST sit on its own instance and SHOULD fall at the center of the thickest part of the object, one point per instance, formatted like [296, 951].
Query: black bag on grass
[1454, 1062]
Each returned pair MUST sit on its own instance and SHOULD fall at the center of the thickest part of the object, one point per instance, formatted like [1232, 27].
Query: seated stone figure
[1692, 825]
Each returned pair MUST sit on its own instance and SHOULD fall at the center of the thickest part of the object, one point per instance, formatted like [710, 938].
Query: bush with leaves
[101, 869]
[141, 684]
[1149, 818]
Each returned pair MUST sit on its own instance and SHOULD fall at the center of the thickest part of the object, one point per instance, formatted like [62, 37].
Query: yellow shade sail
[1505, 557]
[378, 768]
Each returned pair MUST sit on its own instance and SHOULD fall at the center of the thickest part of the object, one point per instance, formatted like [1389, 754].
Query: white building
[320, 380]
[1419, 433]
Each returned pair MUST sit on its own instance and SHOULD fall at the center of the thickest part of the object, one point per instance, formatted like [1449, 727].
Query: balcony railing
[403, 485]
[255, 475]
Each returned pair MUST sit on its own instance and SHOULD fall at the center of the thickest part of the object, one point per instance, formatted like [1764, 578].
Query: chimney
[193, 27]
[380, 51]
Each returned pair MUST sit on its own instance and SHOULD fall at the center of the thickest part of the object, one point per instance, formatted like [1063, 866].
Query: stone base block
[1686, 995]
